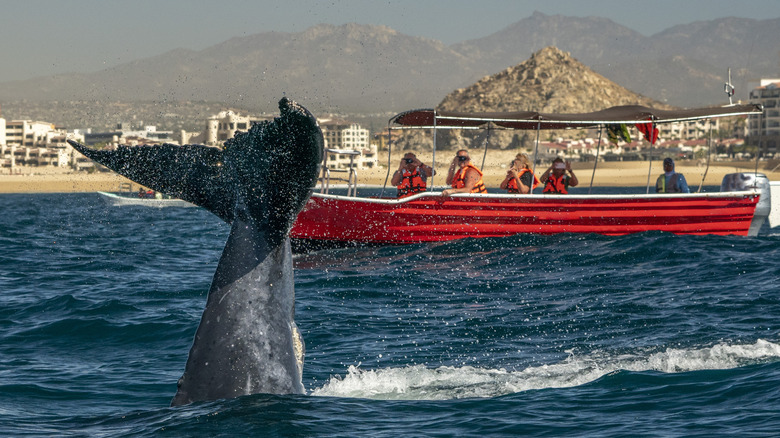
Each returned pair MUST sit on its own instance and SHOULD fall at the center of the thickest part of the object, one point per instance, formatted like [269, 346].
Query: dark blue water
[568, 335]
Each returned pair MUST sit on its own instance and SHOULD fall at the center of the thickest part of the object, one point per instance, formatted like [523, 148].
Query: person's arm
[469, 181]
[397, 177]
[509, 175]
[451, 173]
[573, 181]
[428, 170]
[683, 184]
[545, 175]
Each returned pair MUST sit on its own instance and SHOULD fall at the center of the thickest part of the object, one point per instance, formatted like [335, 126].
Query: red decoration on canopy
[647, 129]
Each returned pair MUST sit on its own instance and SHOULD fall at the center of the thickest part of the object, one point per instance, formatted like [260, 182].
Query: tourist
[411, 176]
[464, 176]
[556, 180]
[671, 181]
[520, 178]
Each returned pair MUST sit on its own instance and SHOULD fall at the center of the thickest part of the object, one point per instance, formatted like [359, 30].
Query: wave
[445, 383]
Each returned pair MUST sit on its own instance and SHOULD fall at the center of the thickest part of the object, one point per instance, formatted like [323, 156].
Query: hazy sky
[45, 37]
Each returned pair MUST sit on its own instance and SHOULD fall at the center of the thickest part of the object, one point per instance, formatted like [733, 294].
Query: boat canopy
[616, 115]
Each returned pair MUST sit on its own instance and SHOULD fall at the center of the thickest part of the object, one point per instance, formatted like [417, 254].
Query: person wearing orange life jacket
[464, 176]
[556, 180]
[520, 178]
[411, 176]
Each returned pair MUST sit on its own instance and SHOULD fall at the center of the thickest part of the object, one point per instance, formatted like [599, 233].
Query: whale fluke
[247, 341]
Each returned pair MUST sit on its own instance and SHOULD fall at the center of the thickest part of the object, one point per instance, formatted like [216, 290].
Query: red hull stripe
[432, 218]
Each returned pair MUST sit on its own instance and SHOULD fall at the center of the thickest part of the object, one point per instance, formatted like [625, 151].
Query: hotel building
[766, 127]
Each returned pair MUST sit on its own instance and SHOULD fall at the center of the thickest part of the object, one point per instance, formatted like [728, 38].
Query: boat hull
[329, 220]
[774, 215]
[118, 199]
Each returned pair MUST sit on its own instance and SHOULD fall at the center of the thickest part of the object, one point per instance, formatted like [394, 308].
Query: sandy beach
[612, 174]
[37, 180]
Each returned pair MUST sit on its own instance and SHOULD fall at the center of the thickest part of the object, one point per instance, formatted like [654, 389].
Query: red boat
[333, 220]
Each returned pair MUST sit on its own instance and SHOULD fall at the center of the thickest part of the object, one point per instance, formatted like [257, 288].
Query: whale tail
[219, 178]
[247, 341]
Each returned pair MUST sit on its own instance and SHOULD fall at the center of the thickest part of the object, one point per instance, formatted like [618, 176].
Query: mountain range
[357, 68]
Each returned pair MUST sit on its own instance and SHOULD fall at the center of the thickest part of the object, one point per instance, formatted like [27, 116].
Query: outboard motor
[736, 182]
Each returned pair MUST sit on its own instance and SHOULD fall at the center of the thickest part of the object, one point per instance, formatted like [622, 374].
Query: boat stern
[735, 182]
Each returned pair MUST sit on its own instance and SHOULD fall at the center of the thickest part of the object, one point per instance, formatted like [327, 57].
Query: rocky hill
[551, 80]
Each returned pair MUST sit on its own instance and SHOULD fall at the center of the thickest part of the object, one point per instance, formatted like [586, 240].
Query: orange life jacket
[556, 185]
[411, 183]
[511, 186]
[460, 175]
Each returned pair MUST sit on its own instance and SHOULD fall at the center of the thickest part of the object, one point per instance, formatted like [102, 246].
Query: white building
[342, 138]
[224, 125]
[689, 130]
[341, 135]
[149, 132]
[55, 153]
[766, 126]
[33, 143]
[28, 133]
[343, 158]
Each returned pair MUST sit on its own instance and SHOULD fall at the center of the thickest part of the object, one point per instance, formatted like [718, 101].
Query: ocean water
[568, 335]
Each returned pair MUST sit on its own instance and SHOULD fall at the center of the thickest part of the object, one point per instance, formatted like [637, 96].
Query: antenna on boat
[728, 88]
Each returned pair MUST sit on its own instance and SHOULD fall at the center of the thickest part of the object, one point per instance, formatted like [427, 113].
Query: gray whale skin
[247, 341]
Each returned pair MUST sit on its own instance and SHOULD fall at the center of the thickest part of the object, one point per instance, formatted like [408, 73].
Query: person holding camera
[411, 176]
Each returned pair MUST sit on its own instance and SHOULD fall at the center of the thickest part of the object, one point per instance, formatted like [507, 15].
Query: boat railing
[125, 187]
[351, 173]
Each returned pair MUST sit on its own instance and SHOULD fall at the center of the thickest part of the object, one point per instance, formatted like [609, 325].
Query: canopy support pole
[487, 142]
[650, 161]
[433, 157]
[596, 162]
[760, 140]
[389, 150]
[536, 152]
[709, 153]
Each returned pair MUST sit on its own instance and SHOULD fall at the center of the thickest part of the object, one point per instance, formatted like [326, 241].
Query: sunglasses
[463, 158]
[409, 160]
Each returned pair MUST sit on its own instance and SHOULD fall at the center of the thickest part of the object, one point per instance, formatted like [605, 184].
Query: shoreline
[608, 174]
[65, 182]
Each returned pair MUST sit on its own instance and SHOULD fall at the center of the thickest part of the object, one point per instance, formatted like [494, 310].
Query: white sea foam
[445, 383]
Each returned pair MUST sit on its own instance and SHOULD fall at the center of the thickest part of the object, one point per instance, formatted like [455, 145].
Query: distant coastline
[59, 182]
